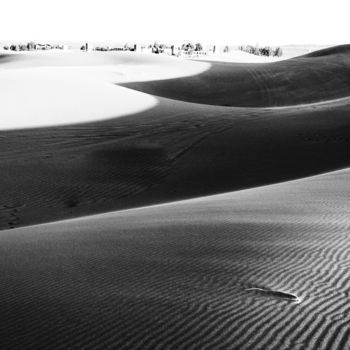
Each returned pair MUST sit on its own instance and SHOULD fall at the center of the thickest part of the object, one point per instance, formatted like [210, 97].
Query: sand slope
[321, 75]
[173, 150]
[178, 276]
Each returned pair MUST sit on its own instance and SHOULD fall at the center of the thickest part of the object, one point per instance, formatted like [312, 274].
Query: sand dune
[319, 76]
[66, 88]
[174, 150]
[341, 50]
[176, 276]
[264, 267]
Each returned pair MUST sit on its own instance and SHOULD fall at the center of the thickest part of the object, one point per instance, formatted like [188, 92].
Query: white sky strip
[272, 22]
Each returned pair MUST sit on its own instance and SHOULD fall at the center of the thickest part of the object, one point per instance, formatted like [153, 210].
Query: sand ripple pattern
[176, 276]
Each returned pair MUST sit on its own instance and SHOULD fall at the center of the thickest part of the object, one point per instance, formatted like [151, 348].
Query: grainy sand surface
[315, 77]
[179, 276]
[225, 238]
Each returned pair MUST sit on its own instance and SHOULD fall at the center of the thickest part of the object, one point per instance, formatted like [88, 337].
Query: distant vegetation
[188, 49]
[192, 47]
[126, 47]
[158, 48]
[262, 51]
[170, 49]
[31, 46]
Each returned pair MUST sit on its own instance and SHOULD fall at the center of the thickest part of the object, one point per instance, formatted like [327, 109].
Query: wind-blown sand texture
[265, 267]
[176, 276]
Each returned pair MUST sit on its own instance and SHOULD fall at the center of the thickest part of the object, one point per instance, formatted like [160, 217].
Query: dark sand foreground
[177, 276]
[264, 267]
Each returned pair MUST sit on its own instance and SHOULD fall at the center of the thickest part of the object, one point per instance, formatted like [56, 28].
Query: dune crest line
[303, 80]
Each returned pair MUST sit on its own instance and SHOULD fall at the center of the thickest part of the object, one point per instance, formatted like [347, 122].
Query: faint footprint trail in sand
[12, 213]
[276, 293]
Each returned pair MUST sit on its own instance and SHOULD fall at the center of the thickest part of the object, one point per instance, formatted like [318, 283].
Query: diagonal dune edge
[191, 201]
[316, 77]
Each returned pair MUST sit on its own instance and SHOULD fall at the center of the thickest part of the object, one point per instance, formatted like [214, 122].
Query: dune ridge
[338, 50]
[318, 76]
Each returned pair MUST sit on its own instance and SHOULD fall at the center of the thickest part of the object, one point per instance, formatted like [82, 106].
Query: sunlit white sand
[55, 88]
[34, 98]
[239, 57]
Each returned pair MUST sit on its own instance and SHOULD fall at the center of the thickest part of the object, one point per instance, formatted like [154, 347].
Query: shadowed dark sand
[260, 268]
[315, 77]
[171, 152]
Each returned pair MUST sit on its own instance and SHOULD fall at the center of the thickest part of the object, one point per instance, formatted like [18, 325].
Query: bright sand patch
[37, 97]
[67, 88]
[238, 56]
